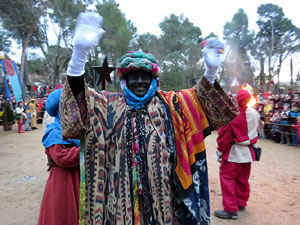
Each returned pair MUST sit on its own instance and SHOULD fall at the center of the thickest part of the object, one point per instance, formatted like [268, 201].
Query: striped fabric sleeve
[218, 107]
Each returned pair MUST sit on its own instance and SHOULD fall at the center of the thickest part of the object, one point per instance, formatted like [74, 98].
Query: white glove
[219, 156]
[87, 35]
[213, 48]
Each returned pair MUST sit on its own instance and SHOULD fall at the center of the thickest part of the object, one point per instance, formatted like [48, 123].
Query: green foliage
[177, 33]
[35, 65]
[148, 43]
[172, 81]
[5, 43]
[20, 18]
[28, 22]
[240, 40]
[211, 35]
[38, 67]
[119, 32]
[179, 50]
[8, 114]
[176, 50]
[64, 13]
[277, 37]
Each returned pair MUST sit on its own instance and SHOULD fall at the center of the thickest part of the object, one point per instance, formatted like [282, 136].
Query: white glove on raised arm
[213, 48]
[87, 35]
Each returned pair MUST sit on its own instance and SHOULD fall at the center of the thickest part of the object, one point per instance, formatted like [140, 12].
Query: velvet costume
[61, 196]
[235, 141]
[172, 149]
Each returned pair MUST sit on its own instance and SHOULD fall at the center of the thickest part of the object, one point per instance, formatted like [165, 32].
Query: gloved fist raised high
[212, 50]
[87, 35]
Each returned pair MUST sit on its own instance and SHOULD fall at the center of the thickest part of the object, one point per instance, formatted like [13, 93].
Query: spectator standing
[33, 112]
[287, 99]
[262, 115]
[20, 115]
[284, 123]
[278, 107]
[28, 116]
[275, 126]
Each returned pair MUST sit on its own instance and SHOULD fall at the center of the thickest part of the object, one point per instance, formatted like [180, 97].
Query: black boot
[242, 208]
[226, 215]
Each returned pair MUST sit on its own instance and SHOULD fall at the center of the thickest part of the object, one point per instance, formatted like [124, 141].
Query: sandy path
[22, 176]
[275, 182]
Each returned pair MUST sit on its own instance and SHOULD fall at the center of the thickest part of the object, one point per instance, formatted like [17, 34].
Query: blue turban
[52, 134]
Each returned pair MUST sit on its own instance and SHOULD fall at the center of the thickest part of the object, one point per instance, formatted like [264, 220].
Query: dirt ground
[275, 182]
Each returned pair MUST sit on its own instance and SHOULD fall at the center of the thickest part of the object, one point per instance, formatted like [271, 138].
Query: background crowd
[28, 112]
[281, 114]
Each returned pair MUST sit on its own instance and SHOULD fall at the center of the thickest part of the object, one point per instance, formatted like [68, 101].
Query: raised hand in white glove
[219, 156]
[213, 48]
[87, 35]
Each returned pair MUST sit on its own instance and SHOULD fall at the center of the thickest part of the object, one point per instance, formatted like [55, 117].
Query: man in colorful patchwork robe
[145, 158]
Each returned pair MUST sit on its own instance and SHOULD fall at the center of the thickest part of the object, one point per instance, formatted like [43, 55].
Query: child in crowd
[28, 117]
[20, 115]
[275, 127]
[269, 105]
[284, 122]
[278, 107]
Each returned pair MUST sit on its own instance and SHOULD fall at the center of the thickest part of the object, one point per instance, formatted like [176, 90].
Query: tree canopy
[239, 39]
[49, 26]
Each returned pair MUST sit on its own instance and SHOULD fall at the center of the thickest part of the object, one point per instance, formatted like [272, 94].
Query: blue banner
[6, 89]
[11, 73]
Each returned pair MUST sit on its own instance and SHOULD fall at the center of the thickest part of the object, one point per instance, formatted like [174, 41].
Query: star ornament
[104, 73]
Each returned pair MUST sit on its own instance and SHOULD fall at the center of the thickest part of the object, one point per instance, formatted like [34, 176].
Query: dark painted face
[139, 82]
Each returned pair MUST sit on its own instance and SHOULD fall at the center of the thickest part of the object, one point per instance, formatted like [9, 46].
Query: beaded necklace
[137, 166]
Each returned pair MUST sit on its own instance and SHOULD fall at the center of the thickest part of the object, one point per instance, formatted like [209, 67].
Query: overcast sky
[209, 15]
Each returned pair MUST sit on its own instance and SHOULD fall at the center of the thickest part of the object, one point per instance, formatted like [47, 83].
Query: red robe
[60, 202]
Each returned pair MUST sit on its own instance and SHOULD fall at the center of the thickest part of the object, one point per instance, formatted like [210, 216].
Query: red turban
[243, 98]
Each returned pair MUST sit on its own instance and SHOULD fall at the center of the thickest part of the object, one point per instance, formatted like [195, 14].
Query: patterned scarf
[138, 102]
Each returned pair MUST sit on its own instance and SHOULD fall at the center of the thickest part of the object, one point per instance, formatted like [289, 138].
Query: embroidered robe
[177, 172]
